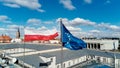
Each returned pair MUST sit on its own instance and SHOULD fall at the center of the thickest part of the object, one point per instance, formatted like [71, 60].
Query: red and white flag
[34, 35]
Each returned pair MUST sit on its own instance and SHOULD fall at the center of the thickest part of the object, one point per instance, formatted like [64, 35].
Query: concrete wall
[109, 44]
[104, 44]
[72, 62]
[66, 64]
[53, 62]
[117, 63]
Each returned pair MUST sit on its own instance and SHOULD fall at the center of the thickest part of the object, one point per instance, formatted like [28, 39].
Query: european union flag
[69, 41]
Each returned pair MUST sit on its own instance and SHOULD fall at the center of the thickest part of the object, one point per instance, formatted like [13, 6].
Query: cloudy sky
[99, 18]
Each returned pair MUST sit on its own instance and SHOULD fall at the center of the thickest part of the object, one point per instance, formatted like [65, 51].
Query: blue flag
[69, 41]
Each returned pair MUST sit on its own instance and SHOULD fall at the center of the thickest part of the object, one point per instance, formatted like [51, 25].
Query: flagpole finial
[60, 20]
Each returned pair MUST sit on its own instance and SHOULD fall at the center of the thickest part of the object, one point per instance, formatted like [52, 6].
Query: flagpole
[24, 49]
[61, 43]
[114, 53]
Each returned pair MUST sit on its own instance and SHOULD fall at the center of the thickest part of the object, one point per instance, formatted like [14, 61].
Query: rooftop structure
[5, 39]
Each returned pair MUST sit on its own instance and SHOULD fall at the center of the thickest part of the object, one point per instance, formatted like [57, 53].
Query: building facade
[102, 44]
[5, 39]
[81, 60]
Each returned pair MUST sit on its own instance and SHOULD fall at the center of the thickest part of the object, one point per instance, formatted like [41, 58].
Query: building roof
[33, 60]
[5, 37]
[30, 46]
[1, 37]
[66, 54]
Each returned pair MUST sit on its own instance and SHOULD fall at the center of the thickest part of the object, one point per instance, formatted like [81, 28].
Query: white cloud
[13, 26]
[65, 21]
[110, 34]
[88, 1]
[114, 27]
[102, 24]
[74, 30]
[107, 30]
[67, 4]
[80, 21]
[107, 26]
[76, 22]
[48, 22]
[116, 34]
[12, 29]
[2, 29]
[31, 4]
[34, 21]
[4, 19]
[11, 5]
[104, 28]
[9, 32]
[43, 30]
[94, 31]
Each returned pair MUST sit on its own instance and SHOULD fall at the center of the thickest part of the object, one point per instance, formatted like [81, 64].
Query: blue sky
[84, 18]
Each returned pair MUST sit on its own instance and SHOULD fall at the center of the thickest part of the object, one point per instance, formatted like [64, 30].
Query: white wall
[117, 63]
[54, 41]
[72, 62]
[104, 60]
[109, 44]
[105, 44]
[53, 63]
[16, 41]
[50, 59]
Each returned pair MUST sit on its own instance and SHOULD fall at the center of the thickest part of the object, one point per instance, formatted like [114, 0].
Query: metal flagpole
[114, 59]
[24, 49]
[114, 53]
[61, 43]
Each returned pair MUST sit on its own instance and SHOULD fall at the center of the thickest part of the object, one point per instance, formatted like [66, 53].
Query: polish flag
[35, 35]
